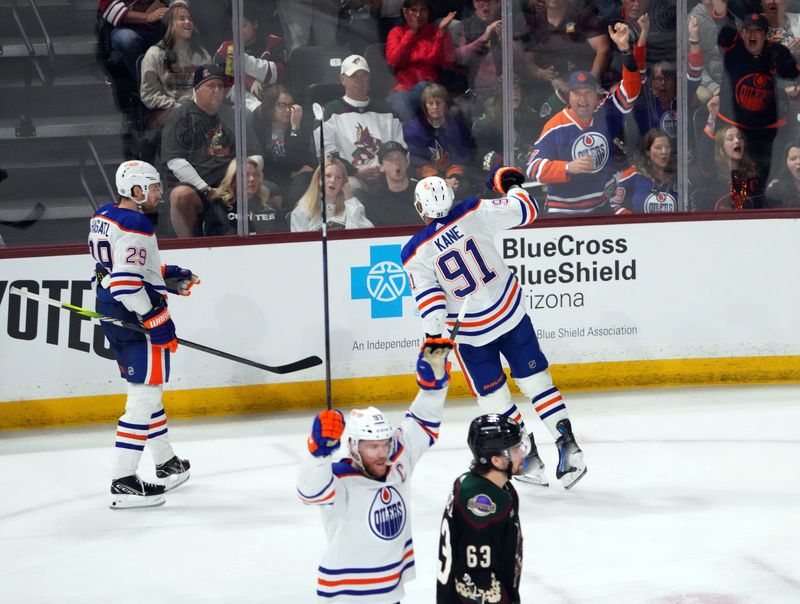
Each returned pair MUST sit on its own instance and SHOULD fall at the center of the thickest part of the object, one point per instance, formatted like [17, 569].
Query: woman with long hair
[288, 160]
[731, 178]
[264, 215]
[344, 211]
[648, 186]
[168, 67]
[784, 191]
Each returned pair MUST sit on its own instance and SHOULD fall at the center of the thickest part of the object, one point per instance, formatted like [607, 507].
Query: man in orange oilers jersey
[573, 153]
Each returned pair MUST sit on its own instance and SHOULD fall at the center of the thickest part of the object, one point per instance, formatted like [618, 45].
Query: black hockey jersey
[480, 548]
[747, 98]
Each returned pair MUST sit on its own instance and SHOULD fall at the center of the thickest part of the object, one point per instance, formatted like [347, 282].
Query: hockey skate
[571, 467]
[173, 472]
[133, 492]
[533, 467]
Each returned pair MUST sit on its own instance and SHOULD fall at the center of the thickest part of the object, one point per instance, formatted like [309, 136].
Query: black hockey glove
[503, 178]
[179, 280]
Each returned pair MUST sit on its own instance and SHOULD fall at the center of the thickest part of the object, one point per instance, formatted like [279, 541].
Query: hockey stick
[461, 314]
[32, 218]
[319, 115]
[305, 363]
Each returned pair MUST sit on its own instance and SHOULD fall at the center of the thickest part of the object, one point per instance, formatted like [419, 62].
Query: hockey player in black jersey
[480, 549]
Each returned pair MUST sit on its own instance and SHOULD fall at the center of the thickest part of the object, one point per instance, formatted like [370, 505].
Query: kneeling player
[480, 549]
[365, 498]
[132, 286]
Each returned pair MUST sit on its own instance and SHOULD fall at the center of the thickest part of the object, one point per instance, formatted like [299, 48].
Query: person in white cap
[356, 126]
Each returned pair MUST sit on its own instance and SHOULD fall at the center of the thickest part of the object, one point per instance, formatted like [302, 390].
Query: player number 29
[453, 265]
[479, 556]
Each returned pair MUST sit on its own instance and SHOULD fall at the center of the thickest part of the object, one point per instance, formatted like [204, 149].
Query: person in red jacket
[416, 51]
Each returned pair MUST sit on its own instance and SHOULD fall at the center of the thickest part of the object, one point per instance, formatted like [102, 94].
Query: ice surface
[692, 496]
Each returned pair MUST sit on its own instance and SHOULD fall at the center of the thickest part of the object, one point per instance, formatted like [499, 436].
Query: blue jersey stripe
[129, 446]
[133, 426]
[431, 309]
[466, 332]
[315, 495]
[553, 410]
[424, 421]
[494, 306]
[539, 397]
[433, 290]
[376, 569]
[369, 592]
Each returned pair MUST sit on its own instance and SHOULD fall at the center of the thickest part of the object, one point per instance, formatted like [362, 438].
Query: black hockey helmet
[492, 434]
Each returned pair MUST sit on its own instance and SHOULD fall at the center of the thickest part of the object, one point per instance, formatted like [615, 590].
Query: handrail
[45, 79]
[85, 183]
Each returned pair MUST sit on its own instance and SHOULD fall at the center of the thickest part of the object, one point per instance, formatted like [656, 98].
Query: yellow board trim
[268, 398]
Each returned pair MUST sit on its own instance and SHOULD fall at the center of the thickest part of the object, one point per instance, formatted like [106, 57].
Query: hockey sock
[133, 428]
[158, 437]
[551, 409]
[500, 402]
[546, 400]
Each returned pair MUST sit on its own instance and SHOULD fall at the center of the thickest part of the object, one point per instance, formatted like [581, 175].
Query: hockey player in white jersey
[454, 256]
[132, 285]
[365, 498]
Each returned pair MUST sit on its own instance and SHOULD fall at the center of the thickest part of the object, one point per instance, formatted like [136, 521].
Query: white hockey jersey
[456, 257]
[123, 242]
[355, 130]
[370, 552]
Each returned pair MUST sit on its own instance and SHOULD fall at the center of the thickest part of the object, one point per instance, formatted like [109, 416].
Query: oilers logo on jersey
[594, 145]
[660, 202]
[387, 514]
[669, 123]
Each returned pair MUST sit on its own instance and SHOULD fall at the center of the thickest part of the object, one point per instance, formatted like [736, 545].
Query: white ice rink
[692, 496]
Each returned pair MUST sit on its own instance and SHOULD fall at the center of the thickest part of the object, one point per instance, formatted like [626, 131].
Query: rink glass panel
[71, 111]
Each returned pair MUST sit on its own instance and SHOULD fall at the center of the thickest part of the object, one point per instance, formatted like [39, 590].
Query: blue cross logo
[384, 282]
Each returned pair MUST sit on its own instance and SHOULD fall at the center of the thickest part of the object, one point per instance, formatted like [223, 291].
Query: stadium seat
[313, 65]
[381, 75]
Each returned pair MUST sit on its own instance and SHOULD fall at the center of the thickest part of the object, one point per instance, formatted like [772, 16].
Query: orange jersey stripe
[391, 577]
[510, 299]
[548, 403]
[430, 301]
[133, 436]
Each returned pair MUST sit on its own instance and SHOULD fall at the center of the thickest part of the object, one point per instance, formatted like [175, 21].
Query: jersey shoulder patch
[481, 499]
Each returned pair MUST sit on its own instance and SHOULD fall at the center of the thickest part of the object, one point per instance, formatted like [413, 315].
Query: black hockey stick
[319, 115]
[32, 218]
[461, 314]
[305, 363]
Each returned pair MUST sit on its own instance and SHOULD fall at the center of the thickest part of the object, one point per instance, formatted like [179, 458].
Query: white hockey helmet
[133, 173]
[433, 198]
[367, 424]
